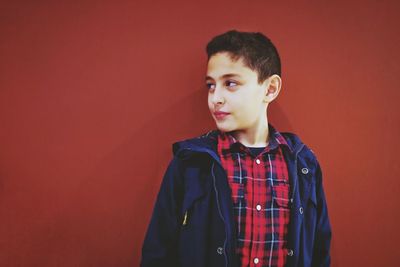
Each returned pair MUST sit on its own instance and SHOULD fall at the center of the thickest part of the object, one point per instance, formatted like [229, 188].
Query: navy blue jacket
[193, 225]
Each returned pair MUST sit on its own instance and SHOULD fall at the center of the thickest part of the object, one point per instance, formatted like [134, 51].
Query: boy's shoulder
[304, 153]
[204, 142]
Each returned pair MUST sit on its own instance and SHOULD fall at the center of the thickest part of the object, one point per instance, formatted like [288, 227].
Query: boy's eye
[230, 83]
[210, 85]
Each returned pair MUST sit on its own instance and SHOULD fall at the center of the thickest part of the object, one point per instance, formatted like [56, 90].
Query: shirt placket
[257, 210]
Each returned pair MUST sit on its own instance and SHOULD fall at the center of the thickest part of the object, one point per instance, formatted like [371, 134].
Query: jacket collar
[207, 143]
[231, 145]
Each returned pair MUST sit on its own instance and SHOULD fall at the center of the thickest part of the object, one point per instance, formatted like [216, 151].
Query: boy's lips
[220, 114]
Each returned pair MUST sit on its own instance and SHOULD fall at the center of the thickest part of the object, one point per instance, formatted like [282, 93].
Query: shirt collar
[229, 144]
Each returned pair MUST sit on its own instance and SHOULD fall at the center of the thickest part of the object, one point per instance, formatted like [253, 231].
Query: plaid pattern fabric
[260, 194]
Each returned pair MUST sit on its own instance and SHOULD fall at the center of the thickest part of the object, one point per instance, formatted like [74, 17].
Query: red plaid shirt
[260, 194]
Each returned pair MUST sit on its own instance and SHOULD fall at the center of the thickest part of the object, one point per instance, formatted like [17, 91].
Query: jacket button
[301, 210]
[220, 250]
[304, 170]
[290, 252]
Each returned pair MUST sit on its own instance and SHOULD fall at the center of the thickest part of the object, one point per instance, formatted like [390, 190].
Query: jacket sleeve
[161, 240]
[321, 253]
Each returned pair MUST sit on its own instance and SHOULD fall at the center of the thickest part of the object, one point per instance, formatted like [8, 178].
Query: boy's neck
[254, 137]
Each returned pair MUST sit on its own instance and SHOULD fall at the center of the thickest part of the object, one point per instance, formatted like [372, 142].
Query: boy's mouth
[220, 115]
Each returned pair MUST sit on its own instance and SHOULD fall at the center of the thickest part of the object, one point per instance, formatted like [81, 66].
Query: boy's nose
[218, 97]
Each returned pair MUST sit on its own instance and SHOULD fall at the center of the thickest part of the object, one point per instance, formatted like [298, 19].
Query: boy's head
[255, 49]
[243, 77]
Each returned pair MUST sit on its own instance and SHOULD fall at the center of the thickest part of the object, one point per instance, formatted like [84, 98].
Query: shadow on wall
[114, 204]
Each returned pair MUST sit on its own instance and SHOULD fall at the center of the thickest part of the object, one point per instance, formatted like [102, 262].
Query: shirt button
[258, 207]
[256, 260]
[290, 253]
[258, 161]
[304, 170]
[301, 210]
[220, 250]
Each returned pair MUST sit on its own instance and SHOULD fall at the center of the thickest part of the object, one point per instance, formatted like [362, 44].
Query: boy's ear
[272, 87]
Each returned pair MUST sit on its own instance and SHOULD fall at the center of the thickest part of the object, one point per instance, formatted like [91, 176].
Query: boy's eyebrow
[228, 75]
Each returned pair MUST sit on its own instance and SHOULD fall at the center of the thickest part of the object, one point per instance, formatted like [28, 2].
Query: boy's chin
[225, 128]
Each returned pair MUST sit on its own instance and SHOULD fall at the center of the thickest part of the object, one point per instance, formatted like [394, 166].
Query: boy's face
[236, 100]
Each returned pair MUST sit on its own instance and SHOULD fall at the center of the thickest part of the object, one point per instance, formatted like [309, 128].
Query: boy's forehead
[221, 65]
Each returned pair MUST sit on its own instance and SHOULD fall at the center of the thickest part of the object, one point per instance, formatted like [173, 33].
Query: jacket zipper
[219, 212]
[185, 219]
[295, 170]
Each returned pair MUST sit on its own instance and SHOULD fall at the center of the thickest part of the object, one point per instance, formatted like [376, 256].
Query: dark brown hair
[256, 50]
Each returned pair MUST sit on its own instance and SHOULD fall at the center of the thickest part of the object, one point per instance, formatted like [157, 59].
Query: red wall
[92, 94]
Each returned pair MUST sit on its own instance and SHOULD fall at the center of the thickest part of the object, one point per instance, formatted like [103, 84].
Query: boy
[244, 194]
